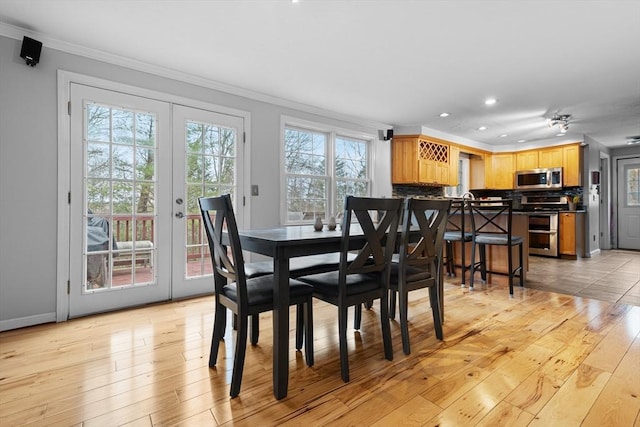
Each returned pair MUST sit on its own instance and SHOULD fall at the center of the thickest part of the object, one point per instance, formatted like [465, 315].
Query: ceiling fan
[560, 120]
[632, 140]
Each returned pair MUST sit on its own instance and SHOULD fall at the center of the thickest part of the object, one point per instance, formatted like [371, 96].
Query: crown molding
[17, 33]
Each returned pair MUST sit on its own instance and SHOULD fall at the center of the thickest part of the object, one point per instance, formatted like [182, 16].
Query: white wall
[28, 167]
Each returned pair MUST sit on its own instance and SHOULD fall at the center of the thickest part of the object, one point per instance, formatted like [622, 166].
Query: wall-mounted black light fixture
[30, 51]
[385, 135]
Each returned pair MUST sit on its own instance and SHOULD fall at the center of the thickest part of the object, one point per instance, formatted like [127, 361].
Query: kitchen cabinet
[417, 159]
[550, 157]
[454, 165]
[499, 171]
[572, 165]
[571, 234]
[526, 160]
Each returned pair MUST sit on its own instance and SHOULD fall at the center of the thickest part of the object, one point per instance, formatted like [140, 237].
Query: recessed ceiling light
[490, 101]
[482, 128]
[445, 114]
[503, 135]
[561, 134]
[522, 140]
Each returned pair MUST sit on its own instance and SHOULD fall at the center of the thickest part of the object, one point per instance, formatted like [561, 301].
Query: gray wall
[591, 199]
[28, 167]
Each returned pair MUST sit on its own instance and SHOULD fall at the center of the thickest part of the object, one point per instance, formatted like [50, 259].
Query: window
[322, 167]
[463, 178]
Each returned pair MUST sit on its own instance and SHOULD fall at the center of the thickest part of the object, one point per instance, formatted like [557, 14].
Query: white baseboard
[594, 252]
[23, 322]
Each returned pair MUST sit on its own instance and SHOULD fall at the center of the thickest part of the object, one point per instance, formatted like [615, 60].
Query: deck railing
[123, 229]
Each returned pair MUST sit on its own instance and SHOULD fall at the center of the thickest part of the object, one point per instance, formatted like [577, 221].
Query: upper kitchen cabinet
[417, 159]
[526, 160]
[572, 165]
[550, 157]
[499, 169]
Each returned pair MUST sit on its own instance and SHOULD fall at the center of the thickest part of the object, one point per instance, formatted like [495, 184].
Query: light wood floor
[538, 359]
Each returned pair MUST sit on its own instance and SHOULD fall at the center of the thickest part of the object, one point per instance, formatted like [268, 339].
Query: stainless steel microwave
[536, 179]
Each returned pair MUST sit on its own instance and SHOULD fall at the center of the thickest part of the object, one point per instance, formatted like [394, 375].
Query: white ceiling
[398, 62]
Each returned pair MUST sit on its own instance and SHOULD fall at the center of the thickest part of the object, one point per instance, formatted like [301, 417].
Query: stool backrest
[488, 216]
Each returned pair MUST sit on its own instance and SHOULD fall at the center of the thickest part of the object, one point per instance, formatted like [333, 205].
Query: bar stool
[456, 233]
[490, 228]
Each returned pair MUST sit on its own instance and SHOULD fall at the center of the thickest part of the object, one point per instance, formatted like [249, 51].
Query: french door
[207, 154]
[137, 168]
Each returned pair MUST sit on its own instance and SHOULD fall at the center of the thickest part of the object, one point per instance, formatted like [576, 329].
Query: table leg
[281, 325]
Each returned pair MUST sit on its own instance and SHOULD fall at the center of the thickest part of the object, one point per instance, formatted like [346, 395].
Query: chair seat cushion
[456, 236]
[327, 283]
[414, 274]
[260, 290]
[496, 239]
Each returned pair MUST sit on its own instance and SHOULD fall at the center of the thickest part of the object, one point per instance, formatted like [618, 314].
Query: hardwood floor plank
[574, 399]
[505, 414]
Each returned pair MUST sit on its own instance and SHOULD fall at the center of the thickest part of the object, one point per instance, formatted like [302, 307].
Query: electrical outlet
[254, 190]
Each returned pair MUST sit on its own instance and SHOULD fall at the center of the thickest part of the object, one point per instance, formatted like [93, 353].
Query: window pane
[122, 126]
[145, 164]
[305, 152]
[98, 128]
[98, 164]
[350, 188]
[351, 158]
[145, 129]
[122, 197]
[122, 162]
[194, 137]
[306, 196]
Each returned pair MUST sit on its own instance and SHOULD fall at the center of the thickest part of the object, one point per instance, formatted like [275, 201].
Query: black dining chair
[492, 225]
[457, 233]
[419, 262]
[244, 297]
[365, 278]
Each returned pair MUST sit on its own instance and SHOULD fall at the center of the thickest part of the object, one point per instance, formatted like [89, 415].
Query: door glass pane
[632, 175]
[120, 149]
[210, 157]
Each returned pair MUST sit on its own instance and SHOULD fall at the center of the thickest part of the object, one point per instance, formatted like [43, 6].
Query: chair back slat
[225, 266]
[430, 216]
[486, 216]
[375, 254]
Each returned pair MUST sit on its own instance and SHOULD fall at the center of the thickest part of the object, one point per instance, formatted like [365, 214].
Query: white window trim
[332, 132]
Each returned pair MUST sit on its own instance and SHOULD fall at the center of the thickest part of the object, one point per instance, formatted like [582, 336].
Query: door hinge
[69, 107]
[244, 137]
[68, 287]
[244, 201]
[69, 197]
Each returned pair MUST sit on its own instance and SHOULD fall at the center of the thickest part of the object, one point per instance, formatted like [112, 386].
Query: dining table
[281, 244]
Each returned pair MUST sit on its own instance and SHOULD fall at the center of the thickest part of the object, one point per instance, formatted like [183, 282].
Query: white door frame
[64, 80]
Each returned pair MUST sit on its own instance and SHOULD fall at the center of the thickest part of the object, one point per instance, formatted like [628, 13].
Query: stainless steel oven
[543, 233]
